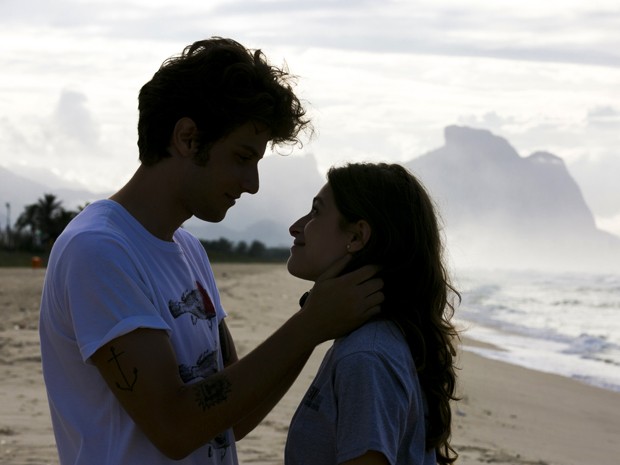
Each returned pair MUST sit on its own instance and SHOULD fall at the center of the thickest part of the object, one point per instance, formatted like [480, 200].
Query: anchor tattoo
[128, 386]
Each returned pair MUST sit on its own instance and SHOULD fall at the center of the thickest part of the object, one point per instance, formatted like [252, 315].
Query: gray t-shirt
[366, 396]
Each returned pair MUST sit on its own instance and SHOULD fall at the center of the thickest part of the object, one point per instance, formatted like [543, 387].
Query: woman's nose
[296, 227]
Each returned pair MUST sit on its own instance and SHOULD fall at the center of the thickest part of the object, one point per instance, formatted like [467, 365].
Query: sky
[381, 78]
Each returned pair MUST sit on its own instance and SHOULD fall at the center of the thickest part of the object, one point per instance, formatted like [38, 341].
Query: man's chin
[212, 218]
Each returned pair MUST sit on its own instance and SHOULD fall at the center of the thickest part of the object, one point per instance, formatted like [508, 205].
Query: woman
[382, 393]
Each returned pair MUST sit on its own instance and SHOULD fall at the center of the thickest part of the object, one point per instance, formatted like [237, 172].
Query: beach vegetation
[29, 240]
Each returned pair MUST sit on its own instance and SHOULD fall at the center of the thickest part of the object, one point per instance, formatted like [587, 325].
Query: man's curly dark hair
[220, 85]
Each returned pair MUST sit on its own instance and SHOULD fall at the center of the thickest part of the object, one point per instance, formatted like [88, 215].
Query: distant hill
[499, 207]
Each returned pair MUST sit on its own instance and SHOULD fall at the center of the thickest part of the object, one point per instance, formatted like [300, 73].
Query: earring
[349, 247]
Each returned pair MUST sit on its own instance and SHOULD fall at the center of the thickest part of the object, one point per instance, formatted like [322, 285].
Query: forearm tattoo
[211, 393]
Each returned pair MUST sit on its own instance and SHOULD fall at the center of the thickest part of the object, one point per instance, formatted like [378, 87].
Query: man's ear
[184, 138]
[361, 232]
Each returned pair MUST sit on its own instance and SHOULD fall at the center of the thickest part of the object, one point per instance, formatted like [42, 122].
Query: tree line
[38, 226]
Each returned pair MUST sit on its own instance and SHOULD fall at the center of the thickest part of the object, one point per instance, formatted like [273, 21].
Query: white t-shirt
[108, 276]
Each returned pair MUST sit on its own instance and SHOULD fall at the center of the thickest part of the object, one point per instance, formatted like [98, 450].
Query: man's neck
[149, 197]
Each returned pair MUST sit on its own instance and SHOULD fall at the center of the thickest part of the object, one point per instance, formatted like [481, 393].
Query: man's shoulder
[95, 216]
[98, 229]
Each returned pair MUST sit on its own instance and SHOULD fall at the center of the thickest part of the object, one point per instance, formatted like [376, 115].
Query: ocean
[562, 323]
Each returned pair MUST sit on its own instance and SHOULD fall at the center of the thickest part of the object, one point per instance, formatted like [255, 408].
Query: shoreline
[507, 414]
[525, 416]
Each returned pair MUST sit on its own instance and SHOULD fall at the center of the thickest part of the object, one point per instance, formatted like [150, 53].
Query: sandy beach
[507, 415]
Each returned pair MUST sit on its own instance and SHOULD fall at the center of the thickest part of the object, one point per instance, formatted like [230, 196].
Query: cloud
[530, 31]
[598, 178]
[604, 117]
[576, 32]
[68, 142]
[73, 119]
[489, 120]
[610, 224]
[60, 14]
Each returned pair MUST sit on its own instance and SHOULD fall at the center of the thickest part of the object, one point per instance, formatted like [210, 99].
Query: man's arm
[142, 371]
[253, 418]
[369, 458]
[247, 424]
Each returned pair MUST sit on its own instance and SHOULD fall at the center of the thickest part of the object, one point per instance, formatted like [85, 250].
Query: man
[139, 365]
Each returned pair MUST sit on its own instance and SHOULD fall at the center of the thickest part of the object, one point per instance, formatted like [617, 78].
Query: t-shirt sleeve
[105, 293]
[372, 407]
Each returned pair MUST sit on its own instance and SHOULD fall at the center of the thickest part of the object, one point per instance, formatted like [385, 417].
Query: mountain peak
[475, 143]
[502, 208]
[545, 158]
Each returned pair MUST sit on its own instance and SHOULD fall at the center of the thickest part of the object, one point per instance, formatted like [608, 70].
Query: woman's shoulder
[379, 336]
[377, 347]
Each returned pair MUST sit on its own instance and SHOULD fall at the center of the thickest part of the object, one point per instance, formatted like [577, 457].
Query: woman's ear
[184, 138]
[361, 232]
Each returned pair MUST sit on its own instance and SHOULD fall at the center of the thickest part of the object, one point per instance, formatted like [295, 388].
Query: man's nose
[251, 181]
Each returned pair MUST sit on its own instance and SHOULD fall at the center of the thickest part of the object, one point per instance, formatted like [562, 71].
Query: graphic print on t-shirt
[313, 398]
[206, 365]
[196, 302]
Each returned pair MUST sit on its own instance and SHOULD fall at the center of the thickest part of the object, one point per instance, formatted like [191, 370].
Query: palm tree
[50, 209]
[45, 219]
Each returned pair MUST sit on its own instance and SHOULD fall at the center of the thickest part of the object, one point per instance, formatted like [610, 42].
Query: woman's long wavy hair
[407, 243]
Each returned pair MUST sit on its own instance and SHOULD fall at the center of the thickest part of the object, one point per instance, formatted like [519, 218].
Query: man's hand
[339, 304]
